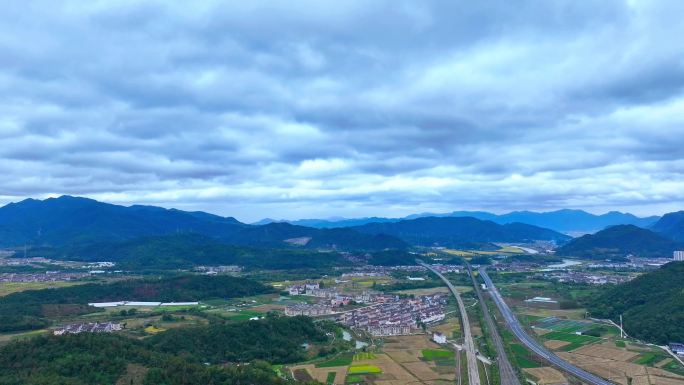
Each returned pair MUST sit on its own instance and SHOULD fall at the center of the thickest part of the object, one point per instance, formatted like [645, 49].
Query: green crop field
[331, 378]
[343, 360]
[434, 354]
[353, 379]
[575, 340]
[620, 344]
[523, 357]
[364, 369]
[649, 358]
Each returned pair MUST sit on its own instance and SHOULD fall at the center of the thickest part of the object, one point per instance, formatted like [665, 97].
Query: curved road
[473, 371]
[506, 372]
[533, 344]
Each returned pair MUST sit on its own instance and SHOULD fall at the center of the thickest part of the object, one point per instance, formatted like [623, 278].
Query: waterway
[566, 263]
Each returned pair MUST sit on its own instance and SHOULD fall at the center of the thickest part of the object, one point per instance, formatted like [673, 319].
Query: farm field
[15, 287]
[404, 360]
[546, 375]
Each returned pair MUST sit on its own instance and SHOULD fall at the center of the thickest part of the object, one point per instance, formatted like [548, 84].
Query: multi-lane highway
[533, 344]
[506, 372]
[471, 358]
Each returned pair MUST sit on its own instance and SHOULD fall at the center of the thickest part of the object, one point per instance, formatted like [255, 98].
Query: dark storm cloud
[355, 108]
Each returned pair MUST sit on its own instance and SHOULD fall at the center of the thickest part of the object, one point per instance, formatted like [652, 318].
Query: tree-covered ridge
[671, 225]
[460, 231]
[92, 359]
[275, 339]
[27, 309]
[187, 250]
[617, 242]
[652, 305]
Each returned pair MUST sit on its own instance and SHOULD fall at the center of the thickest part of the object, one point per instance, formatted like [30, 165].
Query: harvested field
[663, 363]
[301, 375]
[321, 374]
[657, 380]
[268, 307]
[408, 342]
[402, 356]
[547, 375]
[602, 351]
[423, 370]
[428, 291]
[452, 324]
[664, 373]
[555, 344]
[391, 368]
[403, 360]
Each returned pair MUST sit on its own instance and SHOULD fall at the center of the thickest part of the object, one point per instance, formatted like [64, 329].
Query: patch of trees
[275, 339]
[652, 304]
[87, 358]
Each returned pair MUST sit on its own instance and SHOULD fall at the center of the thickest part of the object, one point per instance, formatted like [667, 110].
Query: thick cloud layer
[305, 109]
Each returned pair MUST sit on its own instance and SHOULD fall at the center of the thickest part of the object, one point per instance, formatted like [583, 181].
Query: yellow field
[14, 287]
[21, 335]
[154, 330]
[459, 253]
[555, 344]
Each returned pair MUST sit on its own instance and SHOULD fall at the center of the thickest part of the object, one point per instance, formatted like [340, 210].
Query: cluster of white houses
[332, 297]
[96, 327]
[398, 317]
[139, 303]
[309, 310]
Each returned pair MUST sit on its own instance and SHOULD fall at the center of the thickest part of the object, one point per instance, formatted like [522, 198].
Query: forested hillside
[275, 339]
[618, 242]
[460, 232]
[652, 305]
[179, 251]
[94, 359]
[28, 309]
[671, 225]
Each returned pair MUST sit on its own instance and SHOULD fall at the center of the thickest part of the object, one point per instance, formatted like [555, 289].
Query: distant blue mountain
[566, 220]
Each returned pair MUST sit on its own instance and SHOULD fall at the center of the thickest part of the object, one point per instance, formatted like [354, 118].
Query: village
[379, 314]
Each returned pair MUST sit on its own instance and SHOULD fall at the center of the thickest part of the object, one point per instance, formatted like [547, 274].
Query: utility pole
[621, 332]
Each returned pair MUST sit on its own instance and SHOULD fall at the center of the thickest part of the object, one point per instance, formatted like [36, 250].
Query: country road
[473, 371]
[532, 343]
[506, 372]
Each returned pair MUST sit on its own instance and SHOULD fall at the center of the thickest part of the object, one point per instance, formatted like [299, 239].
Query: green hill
[618, 242]
[181, 251]
[652, 305]
[671, 226]
[103, 358]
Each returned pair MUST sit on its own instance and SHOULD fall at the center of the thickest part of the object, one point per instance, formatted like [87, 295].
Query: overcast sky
[352, 108]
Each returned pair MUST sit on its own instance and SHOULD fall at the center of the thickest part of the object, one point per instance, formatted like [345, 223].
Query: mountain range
[567, 221]
[68, 221]
[73, 220]
[460, 232]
